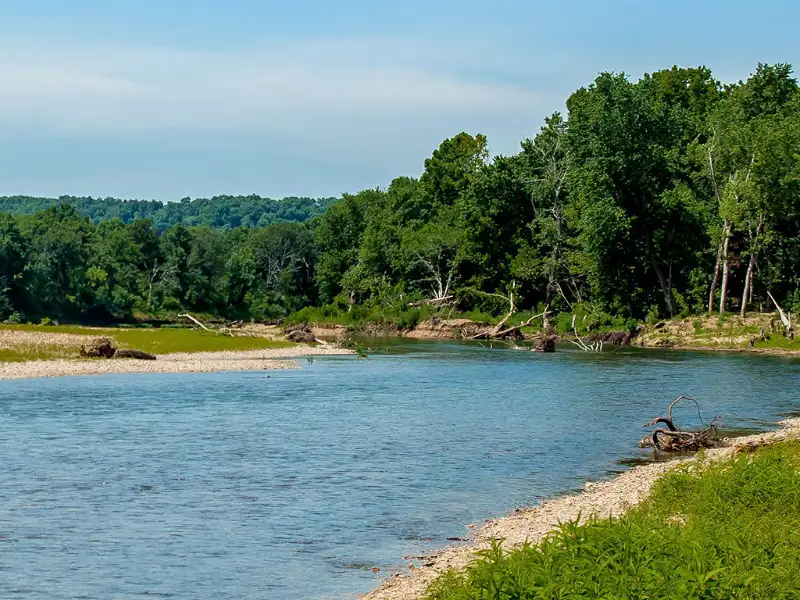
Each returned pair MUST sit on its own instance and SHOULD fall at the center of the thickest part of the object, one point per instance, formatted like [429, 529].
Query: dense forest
[673, 194]
[219, 212]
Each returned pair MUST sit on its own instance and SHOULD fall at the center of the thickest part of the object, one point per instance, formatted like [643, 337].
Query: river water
[293, 485]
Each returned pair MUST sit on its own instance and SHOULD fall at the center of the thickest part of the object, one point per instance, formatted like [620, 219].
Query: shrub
[171, 303]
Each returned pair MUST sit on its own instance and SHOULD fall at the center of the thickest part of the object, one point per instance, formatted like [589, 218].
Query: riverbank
[757, 333]
[197, 362]
[42, 342]
[30, 351]
[603, 499]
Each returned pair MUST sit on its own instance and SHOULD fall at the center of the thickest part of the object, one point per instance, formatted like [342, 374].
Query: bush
[408, 319]
[15, 318]
[172, 304]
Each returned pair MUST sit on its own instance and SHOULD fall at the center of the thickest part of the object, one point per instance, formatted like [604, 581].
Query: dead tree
[672, 439]
[785, 319]
[586, 347]
[232, 329]
[500, 330]
[747, 295]
[195, 321]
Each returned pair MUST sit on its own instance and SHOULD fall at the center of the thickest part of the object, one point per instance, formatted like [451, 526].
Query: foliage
[660, 197]
[219, 212]
[727, 530]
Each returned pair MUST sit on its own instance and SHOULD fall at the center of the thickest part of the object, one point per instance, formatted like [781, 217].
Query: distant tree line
[673, 194]
[58, 263]
[219, 212]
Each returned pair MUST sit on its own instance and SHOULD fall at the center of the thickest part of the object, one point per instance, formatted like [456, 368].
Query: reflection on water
[236, 485]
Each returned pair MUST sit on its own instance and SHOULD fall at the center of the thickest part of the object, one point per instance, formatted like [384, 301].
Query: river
[294, 484]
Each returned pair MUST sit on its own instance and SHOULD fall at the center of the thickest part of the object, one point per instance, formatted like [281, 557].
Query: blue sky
[165, 99]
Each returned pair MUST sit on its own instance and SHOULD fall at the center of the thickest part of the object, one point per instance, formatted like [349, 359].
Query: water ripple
[232, 486]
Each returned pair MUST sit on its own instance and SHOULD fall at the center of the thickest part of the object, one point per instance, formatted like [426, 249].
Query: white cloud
[276, 88]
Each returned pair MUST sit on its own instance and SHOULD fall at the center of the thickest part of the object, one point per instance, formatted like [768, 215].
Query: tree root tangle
[671, 439]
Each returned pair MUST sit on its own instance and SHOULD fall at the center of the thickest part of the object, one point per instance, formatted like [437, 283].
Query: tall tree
[12, 265]
[451, 168]
[619, 140]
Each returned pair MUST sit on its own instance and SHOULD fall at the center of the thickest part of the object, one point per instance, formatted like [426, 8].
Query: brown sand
[200, 362]
[610, 498]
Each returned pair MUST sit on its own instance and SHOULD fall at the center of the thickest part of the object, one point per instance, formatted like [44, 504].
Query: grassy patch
[167, 341]
[729, 530]
[30, 352]
[156, 341]
[726, 331]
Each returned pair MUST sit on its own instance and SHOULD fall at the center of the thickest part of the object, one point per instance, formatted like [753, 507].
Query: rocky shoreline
[604, 499]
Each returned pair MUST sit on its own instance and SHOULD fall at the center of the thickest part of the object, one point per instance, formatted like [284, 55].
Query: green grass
[724, 531]
[26, 353]
[153, 340]
[731, 327]
[167, 341]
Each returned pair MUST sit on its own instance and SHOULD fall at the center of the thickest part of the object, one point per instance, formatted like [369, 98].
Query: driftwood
[104, 348]
[99, 348]
[195, 321]
[672, 439]
[132, 353]
[785, 319]
[301, 334]
[546, 343]
[232, 329]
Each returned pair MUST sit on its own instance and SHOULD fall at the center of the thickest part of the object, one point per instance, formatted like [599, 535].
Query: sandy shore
[610, 498]
[200, 362]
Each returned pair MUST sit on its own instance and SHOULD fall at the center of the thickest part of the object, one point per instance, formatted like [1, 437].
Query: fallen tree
[500, 331]
[104, 348]
[232, 329]
[785, 319]
[133, 353]
[672, 439]
[586, 346]
[300, 333]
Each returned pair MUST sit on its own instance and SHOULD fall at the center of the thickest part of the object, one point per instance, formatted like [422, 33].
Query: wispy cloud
[271, 88]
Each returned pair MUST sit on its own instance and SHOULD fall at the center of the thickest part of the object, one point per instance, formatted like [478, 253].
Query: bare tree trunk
[785, 319]
[151, 277]
[726, 230]
[748, 283]
[195, 321]
[725, 268]
[748, 280]
[715, 281]
[666, 287]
